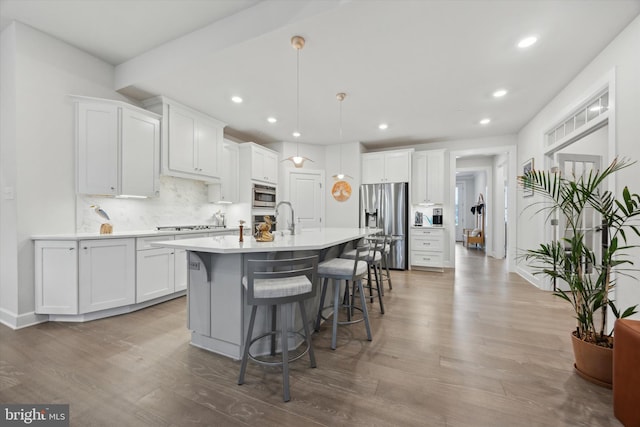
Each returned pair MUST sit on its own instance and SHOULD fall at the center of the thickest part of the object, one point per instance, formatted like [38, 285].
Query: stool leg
[307, 333]
[274, 315]
[247, 344]
[285, 353]
[365, 314]
[386, 266]
[324, 294]
[369, 285]
[346, 301]
[336, 312]
[379, 286]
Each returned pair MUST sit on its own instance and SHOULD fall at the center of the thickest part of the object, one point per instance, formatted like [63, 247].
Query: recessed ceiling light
[272, 120]
[383, 126]
[485, 121]
[296, 134]
[236, 99]
[527, 41]
[499, 93]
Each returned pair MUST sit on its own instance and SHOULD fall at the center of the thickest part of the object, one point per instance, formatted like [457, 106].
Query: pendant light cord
[298, 99]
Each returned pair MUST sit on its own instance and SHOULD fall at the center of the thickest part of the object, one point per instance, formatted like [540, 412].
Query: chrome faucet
[292, 226]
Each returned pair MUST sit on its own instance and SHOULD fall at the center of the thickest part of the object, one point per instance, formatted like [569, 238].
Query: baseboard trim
[19, 321]
[535, 281]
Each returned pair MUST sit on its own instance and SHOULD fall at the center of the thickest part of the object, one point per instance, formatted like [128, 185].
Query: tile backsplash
[181, 201]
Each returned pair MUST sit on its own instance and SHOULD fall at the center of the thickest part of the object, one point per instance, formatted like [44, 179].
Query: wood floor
[474, 347]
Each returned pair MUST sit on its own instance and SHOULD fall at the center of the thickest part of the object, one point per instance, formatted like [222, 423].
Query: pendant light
[298, 43]
[340, 176]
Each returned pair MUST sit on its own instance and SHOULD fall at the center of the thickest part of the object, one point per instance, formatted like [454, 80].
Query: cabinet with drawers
[427, 247]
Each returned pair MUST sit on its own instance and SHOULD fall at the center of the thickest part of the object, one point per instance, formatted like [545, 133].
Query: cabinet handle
[85, 248]
[72, 249]
[113, 188]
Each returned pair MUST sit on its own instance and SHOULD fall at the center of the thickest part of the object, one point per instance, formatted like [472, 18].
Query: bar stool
[373, 258]
[386, 252]
[264, 286]
[339, 269]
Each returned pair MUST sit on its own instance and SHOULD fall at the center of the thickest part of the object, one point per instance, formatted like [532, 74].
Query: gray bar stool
[373, 258]
[385, 275]
[296, 282]
[339, 269]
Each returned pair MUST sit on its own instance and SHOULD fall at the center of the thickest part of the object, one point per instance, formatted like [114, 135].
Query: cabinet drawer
[426, 259]
[427, 232]
[427, 244]
[143, 243]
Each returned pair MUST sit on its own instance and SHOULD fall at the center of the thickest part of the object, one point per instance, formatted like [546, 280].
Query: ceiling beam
[265, 17]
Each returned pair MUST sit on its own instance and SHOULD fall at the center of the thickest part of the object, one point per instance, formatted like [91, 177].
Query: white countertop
[306, 240]
[127, 234]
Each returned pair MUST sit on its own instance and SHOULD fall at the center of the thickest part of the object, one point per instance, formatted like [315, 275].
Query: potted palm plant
[586, 272]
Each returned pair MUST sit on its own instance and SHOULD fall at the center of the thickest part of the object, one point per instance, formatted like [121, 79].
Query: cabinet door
[140, 158]
[209, 149]
[182, 140]
[257, 164]
[56, 281]
[372, 168]
[155, 273]
[181, 272]
[435, 177]
[230, 168]
[97, 151]
[419, 178]
[397, 166]
[270, 167]
[106, 274]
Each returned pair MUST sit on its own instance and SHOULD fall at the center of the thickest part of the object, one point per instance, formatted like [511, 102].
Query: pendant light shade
[340, 175]
[298, 43]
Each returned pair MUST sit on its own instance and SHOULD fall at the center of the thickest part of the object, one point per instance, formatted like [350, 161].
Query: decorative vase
[106, 228]
[594, 363]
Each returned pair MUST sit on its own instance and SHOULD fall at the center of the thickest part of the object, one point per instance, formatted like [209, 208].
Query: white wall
[623, 57]
[343, 214]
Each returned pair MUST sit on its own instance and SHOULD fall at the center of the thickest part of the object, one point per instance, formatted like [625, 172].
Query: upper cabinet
[227, 190]
[386, 166]
[427, 177]
[191, 141]
[117, 148]
[263, 162]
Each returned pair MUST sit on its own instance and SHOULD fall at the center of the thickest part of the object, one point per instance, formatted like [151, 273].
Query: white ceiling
[427, 68]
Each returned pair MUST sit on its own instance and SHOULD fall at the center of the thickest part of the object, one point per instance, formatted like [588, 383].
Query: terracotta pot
[594, 363]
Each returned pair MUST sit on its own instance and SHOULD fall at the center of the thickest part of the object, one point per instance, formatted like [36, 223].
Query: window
[576, 121]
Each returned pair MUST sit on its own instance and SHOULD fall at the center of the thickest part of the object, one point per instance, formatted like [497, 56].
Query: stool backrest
[281, 269]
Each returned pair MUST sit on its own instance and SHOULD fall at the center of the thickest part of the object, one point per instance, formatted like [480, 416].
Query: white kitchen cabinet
[191, 141]
[386, 167]
[117, 148]
[227, 190]
[106, 274]
[56, 265]
[427, 177]
[155, 269]
[140, 154]
[263, 162]
[427, 247]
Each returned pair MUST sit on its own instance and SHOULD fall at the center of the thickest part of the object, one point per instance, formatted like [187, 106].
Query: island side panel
[216, 295]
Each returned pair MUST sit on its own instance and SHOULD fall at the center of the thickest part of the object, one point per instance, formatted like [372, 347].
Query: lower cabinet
[74, 277]
[106, 274]
[427, 247]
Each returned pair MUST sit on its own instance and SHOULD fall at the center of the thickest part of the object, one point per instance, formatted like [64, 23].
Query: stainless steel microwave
[264, 196]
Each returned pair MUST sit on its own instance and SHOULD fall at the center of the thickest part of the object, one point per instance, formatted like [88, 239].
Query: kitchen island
[218, 313]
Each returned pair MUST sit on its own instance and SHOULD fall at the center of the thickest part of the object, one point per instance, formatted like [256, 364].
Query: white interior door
[574, 166]
[306, 196]
[461, 209]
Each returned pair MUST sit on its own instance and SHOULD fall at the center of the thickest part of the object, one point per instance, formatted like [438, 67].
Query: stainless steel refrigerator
[385, 206]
